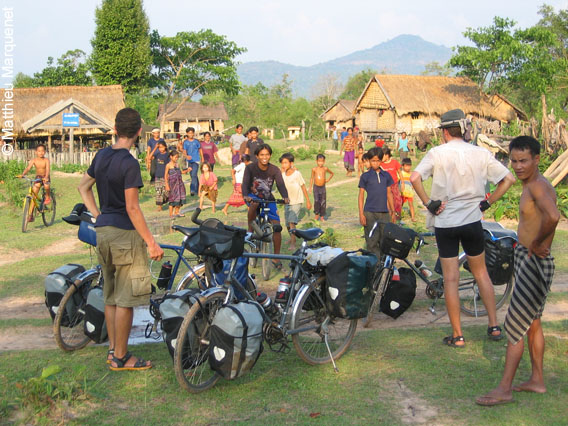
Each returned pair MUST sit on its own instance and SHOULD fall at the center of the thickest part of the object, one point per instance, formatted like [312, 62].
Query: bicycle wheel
[189, 280]
[68, 322]
[192, 346]
[48, 212]
[25, 221]
[470, 298]
[312, 313]
[266, 247]
[379, 286]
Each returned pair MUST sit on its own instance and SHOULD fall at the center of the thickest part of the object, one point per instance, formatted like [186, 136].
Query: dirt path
[63, 246]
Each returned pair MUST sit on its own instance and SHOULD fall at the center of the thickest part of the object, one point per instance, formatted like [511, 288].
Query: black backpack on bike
[399, 294]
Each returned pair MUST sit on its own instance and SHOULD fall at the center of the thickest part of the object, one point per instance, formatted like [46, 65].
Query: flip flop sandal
[110, 352]
[121, 364]
[494, 337]
[489, 401]
[451, 341]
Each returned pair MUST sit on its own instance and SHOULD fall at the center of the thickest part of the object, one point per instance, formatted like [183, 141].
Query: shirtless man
[317, 183]
[42, 169]
[534, 269]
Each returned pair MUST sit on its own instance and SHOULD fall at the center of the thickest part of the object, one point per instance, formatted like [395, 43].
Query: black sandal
[494, 337]
[110, 352]
[121, 364]
[451, 341]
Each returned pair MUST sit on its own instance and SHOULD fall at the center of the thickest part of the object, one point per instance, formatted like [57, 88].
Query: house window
[176, 126]
[415, 115]
[212, 125]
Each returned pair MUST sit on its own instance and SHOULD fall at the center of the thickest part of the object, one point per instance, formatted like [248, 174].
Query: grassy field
[393, 376]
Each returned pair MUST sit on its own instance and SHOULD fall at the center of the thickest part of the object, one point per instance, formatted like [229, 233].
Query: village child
[376, 209]
[151, 147]
[209, 151]
[402, 146]
[297, 192]
[207, 185]
[122, 237]
[533, 270]
[317, 183]
[42, 169]
[174, 184]
[258, 181]
[391, 165]
[236, 199]
[348, 147]
[162, 157]
[251, 144]
[406, 186]
[235, 142]
[193, 154]
[334, 138]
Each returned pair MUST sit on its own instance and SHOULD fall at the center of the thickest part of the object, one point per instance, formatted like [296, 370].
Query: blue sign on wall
[70, 120]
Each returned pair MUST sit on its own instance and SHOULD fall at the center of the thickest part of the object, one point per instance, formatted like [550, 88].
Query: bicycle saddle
[307, 234]
[184, 230]
[497, 231]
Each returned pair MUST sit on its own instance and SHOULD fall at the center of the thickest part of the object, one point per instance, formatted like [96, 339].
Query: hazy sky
[298, 32]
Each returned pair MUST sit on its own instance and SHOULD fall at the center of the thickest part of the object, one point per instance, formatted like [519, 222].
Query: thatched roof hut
[194, 114]
[411, 103]
[105, 101]
[340, 114]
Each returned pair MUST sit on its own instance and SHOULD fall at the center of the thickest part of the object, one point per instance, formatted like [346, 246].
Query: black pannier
[349, 283]
[396, 241]
[95, 324]
[498, 258]
[236, 339]
[399, 294]
[173, 309]
[56, 284]
[217, 241]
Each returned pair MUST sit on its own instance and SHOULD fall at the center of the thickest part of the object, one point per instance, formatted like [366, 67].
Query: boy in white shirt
[296, 192]
[236, 199]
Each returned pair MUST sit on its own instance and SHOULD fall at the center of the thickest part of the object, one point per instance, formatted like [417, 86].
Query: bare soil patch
[413, 409]
[63, 246]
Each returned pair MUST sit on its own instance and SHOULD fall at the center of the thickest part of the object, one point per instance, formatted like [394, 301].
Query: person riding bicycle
[122, 236]
[258, 180]
[459, 172]
[42, 169]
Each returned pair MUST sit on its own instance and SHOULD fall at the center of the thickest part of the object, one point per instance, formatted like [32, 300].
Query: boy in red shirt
[392, 166]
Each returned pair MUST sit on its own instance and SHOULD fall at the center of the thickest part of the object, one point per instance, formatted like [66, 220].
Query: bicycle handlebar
[263, 201]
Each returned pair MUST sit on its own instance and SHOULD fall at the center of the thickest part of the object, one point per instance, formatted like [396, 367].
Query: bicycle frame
[180, 250]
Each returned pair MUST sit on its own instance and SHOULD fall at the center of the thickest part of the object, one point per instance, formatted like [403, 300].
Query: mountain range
[404, 54]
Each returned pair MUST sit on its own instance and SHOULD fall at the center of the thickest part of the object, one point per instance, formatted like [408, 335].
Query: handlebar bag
[56, 284]
[396, 241]
[95, 324]
[399, 294]
[173, 309]
[348, 281]
[87, 233]
[217, 242]
[236, 339]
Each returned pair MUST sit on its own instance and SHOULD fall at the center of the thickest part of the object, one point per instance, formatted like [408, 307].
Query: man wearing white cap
[151, 147]
[459, 172]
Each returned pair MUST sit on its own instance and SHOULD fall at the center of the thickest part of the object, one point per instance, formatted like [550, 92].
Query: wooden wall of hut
[57, 158]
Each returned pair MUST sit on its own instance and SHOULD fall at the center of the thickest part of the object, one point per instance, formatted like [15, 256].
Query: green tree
[121, 45]
[191, 63]
[356, 84]
[435, 68]
[71, 69]
[22, 80]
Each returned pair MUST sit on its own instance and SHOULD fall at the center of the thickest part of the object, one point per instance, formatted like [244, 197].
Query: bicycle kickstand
[324, 326]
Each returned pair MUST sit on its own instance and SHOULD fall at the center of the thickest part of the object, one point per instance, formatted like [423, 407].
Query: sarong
[533, 277]
[160, 185]
[397, 199]
[236, 199]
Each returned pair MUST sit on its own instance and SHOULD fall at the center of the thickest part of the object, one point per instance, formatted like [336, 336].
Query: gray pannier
[236, 339]
[56, 284]
[95, 324]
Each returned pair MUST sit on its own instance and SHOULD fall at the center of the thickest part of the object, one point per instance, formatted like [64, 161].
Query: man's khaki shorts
[127, 279]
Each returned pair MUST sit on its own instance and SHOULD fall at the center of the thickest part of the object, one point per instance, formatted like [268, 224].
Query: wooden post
[71, 139]
[49, 142]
